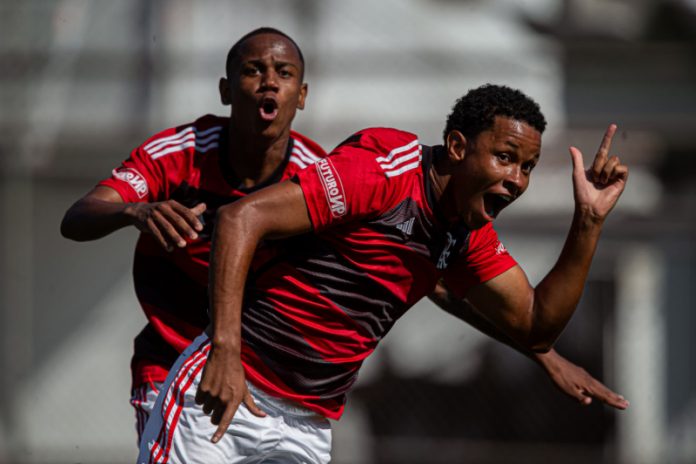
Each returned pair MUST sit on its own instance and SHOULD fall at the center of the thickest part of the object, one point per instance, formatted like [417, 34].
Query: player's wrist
[586, 217]
[227, 344]
[130, 212]
[546, 360]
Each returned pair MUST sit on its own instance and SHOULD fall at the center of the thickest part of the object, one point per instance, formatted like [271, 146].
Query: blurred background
[84, 82]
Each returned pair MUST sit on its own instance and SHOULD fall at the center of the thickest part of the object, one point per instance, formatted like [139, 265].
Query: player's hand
[222, 389]
[575, 382]
[598, 188]
[169, 222]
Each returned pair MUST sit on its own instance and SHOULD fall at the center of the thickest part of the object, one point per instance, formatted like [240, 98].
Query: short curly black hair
[475, 112]
[233, 53]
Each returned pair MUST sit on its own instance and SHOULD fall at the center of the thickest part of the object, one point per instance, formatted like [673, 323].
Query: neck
[254, 158]
[439, 177]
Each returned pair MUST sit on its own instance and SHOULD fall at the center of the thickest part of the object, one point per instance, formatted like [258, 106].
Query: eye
[285, 72]
[502, 156]
[250, 70]
[527, 168]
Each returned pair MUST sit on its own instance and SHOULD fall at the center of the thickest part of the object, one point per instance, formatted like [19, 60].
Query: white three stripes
[301, 155]
[187, 138]
[401, 159]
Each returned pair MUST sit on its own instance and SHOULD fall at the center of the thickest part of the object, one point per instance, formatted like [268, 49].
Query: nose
[515, 182]
[269, 80]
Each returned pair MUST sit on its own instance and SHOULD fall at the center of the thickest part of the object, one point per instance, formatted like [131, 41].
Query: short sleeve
[485, 257]
[138, 179]
[350, 183]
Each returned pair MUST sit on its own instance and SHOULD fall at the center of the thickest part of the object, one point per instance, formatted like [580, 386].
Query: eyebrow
[512, 144]
[276, 63]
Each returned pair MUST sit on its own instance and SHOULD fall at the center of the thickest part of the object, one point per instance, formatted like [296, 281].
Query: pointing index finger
[606, 141]
[603, 152]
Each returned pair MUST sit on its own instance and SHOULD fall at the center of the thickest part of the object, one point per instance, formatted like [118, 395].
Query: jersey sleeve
[351, 183]
[138, 179]
[485, 257]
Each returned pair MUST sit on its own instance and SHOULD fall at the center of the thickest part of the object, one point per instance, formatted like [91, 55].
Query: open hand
[577, 383]
[598, 188]
[168, 221]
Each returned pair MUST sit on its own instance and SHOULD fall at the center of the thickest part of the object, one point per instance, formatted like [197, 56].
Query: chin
[476, 223]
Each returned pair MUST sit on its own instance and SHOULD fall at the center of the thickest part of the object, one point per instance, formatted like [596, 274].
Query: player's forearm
[464, 311]
[91, 218]
[274, 212]
[235, 239]
[557, 295]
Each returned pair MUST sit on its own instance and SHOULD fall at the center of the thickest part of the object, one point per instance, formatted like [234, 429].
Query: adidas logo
[406, 227]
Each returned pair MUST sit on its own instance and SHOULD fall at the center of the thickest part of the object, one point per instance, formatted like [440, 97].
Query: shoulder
[305, 151]
[382, 140]
[199, 136]
[394, 151]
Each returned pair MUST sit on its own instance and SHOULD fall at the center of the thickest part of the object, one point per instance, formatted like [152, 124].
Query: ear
[224, 88]
[456, 147]
[303, 94]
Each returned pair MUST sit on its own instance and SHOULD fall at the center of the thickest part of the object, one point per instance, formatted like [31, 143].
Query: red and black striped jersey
[186, 164]
[313, 313]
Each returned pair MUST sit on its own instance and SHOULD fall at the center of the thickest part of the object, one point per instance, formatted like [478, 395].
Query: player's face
[265, 85]
[494, 172]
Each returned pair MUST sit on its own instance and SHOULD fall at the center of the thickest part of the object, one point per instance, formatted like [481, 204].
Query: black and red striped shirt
[313, 313]
[187, 164]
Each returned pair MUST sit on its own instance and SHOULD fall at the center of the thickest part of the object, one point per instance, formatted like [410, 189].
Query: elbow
[67, 230]
[539, 337]
[235, 218]
[226, 214]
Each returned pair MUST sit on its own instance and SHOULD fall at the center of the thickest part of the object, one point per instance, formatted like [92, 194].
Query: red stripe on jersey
[265, 379]
[326, 328]
[174, 331]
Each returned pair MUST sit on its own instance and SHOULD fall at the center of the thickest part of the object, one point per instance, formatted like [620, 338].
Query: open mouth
[268, 109]
[494, 203]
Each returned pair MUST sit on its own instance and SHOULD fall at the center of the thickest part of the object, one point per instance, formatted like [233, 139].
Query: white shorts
[143, 399]
[179, 432]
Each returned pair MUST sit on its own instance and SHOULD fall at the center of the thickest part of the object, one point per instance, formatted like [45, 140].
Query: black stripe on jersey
[420, 239]
[339, 281]
[283, 349]
[150, 345]
[303, 371]
[160, 283]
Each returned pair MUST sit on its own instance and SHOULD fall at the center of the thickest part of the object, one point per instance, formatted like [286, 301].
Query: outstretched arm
[569, 378]
[274, 212]
[535, 317]
[102, 211]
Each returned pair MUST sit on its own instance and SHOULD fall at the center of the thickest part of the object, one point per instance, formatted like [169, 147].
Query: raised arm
[274, 212]
[535, 317]
[102, 211]
[569, 378]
